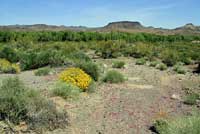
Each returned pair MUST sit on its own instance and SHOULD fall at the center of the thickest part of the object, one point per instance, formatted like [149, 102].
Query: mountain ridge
[122, 26]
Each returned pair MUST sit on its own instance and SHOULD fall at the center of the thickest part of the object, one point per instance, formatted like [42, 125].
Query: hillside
[123, 26]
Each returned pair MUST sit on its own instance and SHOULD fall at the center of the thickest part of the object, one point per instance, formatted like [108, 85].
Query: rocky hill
[123, 26]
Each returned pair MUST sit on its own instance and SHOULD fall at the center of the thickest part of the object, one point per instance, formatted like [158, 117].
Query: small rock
[175, 97]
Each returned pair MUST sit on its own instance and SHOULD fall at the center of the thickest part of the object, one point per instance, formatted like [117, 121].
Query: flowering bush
[77, 77]
[7, 67]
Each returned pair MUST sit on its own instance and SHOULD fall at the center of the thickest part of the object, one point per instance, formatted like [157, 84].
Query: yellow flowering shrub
[15, 68]
[77, 77]
[7, 67]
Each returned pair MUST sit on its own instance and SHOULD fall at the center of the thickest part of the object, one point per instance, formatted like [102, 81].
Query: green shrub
[9, 54]
[161, 66]
[66, 91]
[191, 99]
[56, 58]
[179, 69]
[186, 60]
[160, 126]
[37, 59]
[141, 61]
[20, 104]
[153, 64]
[42, 71]
[141, 50]
[113, 77]
[79, 56]
[34, 60]
[13, 100]
[90, 68]
[180, 125]
[169, 57]
[118, 64]
[109, 49]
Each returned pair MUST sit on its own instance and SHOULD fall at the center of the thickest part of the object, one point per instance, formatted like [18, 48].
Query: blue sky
[93, 13]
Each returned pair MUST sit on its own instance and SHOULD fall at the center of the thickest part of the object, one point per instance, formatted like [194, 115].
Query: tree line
[45, 36]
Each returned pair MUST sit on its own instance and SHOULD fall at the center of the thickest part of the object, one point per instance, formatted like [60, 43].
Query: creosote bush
[169, 57]
[191, 98]
[113, 77]
[43, 71]
[179, 69]
[20, 104]
[141, 61]
[109, 49]
[66, 91]
[118, 64]
[153, 63]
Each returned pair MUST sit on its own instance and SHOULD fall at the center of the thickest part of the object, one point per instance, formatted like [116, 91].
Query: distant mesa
[124, 25]
[189, 26]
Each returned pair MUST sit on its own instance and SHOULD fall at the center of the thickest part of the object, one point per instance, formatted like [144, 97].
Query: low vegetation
[169, 57]
[141, 61]
[118, 64]
[113, 77]
[20, 104]
[153, 63]
[90, 68]
[66, 91]
[76, 52]
[191, 98]
[43, 71]
[179, 125]
[161, 66]
[179, 69]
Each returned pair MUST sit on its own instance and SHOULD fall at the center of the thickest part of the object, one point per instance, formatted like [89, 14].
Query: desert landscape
[124, 77]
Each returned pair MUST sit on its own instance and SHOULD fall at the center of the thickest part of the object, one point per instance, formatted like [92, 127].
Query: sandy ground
[128, 108]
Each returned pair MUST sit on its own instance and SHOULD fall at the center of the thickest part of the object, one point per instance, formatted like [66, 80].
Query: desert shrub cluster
[34, 50]
[21, 104]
